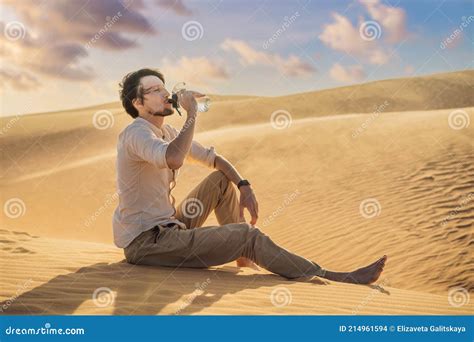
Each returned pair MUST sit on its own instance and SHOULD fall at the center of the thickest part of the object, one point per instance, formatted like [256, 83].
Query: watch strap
[242, 183]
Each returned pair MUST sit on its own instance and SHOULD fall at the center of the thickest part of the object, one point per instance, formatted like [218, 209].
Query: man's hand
[249, 201]
[187, 100]
[179, 146]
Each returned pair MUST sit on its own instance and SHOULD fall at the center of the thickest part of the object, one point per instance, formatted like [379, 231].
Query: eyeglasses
[155, 89]
[141, 92]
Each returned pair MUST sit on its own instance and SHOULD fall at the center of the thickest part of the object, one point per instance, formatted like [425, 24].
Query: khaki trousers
[202, 247]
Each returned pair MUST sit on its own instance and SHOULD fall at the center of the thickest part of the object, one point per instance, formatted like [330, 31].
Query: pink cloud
[292, 66]
[349, 74]
[341, 35]
[392, 19]
[198, 70]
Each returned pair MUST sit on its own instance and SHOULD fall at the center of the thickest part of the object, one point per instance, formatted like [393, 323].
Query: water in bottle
[203, 103]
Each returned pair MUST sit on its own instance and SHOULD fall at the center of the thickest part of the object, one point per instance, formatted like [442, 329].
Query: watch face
[243, 182]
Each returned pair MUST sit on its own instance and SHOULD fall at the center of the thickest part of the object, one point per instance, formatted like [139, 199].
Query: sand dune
[54, 135]
[70, 277]
[451, 90]
[339, 189]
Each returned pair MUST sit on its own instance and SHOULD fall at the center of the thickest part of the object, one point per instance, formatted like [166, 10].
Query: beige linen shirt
[144, 180]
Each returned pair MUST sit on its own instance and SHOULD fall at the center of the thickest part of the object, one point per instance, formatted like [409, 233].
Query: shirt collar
[159, 132]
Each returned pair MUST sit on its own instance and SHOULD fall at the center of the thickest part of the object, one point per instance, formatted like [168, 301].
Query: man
[147, 224]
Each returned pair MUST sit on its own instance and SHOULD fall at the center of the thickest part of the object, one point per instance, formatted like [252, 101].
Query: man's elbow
[173, 159]
[174, 163]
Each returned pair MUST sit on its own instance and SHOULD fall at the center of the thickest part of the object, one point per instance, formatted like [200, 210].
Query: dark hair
[130, 88]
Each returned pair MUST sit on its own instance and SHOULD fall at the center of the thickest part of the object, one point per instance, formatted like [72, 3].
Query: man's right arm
[179, 147]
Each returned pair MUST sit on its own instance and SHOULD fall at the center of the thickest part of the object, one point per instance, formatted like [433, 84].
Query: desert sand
[343, 176]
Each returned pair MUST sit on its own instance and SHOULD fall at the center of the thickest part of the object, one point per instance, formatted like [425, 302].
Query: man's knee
[242, 229]
[217, 176]
[219, 179]
[254, 232]
[249, 231]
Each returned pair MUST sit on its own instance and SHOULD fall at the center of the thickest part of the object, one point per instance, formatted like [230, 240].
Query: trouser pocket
[137, 246]
[156, 233]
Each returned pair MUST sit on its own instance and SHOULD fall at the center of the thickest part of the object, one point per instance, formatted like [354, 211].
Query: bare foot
[364, 275]
[369, 274]
[244, 262]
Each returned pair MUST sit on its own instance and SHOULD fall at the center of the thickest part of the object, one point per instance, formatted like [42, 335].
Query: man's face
[155, 97]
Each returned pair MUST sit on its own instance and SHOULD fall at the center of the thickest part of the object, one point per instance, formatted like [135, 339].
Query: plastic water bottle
[203, 103]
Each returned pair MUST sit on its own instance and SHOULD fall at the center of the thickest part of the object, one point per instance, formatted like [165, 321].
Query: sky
[58, 54]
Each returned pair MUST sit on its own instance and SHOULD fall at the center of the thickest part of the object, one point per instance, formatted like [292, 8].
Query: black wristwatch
[242, 182]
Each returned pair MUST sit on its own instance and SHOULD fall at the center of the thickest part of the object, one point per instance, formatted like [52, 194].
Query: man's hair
[130, 88]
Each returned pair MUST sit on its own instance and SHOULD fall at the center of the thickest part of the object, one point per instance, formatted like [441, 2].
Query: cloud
[292, 66]
[409, 70]
[80, 21]
[18, 80]
[349, 74]
[363, 41]
[198, 70]
[341, 35]
[176, 5]
[54, 37]
[392, 19]
[27, 56]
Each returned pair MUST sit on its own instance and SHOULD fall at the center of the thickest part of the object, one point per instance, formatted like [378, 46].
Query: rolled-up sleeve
[201, 154]
[144, 145]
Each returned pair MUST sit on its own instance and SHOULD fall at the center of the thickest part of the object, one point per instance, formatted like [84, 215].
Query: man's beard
[164, 112]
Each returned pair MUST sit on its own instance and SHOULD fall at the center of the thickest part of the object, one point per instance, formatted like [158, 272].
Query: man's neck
[155, 120]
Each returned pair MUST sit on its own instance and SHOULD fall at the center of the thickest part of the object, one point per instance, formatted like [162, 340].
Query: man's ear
[137, 103]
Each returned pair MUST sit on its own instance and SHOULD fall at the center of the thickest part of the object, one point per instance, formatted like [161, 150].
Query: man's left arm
[247, 196]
